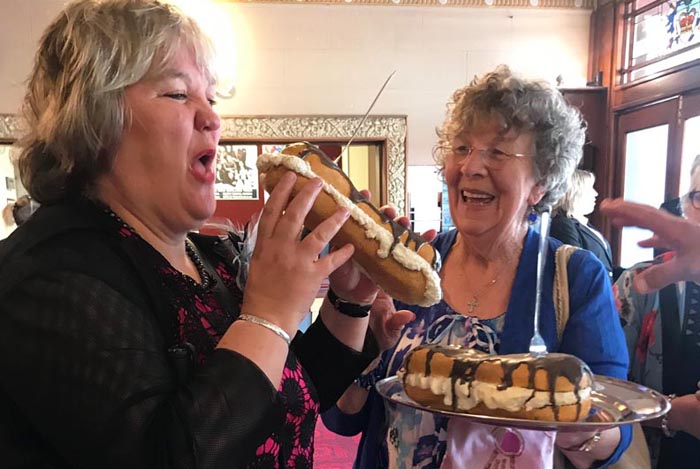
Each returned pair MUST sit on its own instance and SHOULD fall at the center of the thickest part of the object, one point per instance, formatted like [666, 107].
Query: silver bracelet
[668, 433]
[267, 325]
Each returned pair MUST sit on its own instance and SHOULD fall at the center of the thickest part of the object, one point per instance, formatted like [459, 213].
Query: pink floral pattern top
[202, 322]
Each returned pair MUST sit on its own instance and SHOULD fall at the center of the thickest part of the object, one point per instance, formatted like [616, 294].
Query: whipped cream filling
[403, 255]
[512, 399]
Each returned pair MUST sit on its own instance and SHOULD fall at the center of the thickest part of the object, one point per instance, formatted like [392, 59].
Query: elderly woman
[119, 340]
[570, 218]
[663, 338]
[506, 151]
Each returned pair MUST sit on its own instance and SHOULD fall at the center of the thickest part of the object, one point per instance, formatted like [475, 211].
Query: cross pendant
[472, 305]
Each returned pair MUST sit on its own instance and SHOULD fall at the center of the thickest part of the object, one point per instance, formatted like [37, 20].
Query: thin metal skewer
[364, 118]
[537, 344]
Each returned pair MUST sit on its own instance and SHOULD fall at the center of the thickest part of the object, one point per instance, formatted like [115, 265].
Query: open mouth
[206, 159]
[203, 166]
[476, 198]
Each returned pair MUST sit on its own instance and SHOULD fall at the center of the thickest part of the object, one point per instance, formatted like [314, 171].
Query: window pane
[691, 148]
[662, 30]
[645, 180]
[639, 4]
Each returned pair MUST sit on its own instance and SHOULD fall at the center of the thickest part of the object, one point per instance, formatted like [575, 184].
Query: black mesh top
[85, 377]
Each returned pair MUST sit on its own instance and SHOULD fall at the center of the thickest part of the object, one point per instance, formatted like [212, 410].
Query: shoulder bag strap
[561, 287]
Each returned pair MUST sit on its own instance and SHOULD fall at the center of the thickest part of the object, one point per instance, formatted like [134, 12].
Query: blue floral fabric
[593, 320]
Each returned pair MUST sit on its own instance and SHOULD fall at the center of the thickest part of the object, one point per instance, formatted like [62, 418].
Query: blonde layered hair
[516, 104]
[74, 105]
[567, 204]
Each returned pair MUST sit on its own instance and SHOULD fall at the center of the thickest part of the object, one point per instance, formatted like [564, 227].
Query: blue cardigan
[593, 333]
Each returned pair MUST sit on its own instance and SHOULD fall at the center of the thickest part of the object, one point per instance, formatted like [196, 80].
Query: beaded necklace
[206, 278]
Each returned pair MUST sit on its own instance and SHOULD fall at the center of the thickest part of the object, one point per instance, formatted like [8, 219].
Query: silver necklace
[474, 303]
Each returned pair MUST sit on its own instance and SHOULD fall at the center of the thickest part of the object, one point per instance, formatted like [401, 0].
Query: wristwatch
[369, 380]
[347, 308]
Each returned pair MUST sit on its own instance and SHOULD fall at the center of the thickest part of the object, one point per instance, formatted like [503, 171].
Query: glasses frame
[694, 198]
[490, 161]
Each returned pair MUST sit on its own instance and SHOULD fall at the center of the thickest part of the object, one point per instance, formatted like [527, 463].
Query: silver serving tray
[614, 402]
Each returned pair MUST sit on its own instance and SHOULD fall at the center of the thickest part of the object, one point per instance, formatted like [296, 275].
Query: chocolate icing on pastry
[400, 261]
[552, 386]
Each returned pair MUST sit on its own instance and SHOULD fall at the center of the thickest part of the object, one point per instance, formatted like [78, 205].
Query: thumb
[399, 319]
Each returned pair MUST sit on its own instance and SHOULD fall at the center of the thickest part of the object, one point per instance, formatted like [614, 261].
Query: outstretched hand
[670, 232]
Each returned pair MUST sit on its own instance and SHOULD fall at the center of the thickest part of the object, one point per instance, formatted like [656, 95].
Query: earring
[531, 214]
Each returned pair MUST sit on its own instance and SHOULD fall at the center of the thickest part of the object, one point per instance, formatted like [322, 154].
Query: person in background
[507, 150]
[570, 218]
[23, 209]
[125, 340]
[663, 337]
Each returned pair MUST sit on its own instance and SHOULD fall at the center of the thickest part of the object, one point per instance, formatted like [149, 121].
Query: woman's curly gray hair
[513, 103]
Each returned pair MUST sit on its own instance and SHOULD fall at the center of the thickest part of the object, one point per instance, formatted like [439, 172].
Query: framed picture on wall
[9, 183]
[237, 173]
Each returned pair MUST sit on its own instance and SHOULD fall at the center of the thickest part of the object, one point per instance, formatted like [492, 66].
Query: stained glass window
[662, 34]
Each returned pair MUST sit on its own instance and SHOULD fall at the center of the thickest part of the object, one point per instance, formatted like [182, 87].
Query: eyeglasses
[694, 197]
[492, 158]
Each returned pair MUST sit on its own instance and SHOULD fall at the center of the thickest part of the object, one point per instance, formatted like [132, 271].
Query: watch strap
[347, 308]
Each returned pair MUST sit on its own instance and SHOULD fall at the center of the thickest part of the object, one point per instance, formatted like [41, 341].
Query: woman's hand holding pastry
[285, 271]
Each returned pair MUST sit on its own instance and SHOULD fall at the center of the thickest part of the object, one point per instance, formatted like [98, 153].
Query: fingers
[289, 225]
[391, 213]
[655, 278]
[336, 259]
[275, 205]
[399, 319]
[403, 221]
[429, 235]
[388, 211]
[324, 232]
[366, 194]
[653, 242]
[623, 213]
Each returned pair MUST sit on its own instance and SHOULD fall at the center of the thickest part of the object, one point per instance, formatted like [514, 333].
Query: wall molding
[390, 130]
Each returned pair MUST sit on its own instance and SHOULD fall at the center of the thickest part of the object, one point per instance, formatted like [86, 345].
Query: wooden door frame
[640, 118]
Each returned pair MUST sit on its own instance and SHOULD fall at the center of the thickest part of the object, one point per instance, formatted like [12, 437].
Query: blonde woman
[570, 218]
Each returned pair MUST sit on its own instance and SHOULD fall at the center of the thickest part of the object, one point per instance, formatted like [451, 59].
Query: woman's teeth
[474, 198]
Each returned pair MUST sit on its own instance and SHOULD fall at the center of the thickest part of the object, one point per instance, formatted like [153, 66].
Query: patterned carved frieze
[280, 129]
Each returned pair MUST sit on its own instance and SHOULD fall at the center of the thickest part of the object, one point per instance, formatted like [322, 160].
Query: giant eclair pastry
[400, 261]
[554, 386]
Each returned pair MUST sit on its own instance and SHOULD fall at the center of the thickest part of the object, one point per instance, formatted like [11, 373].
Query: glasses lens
[493, 159]
[695, 199]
